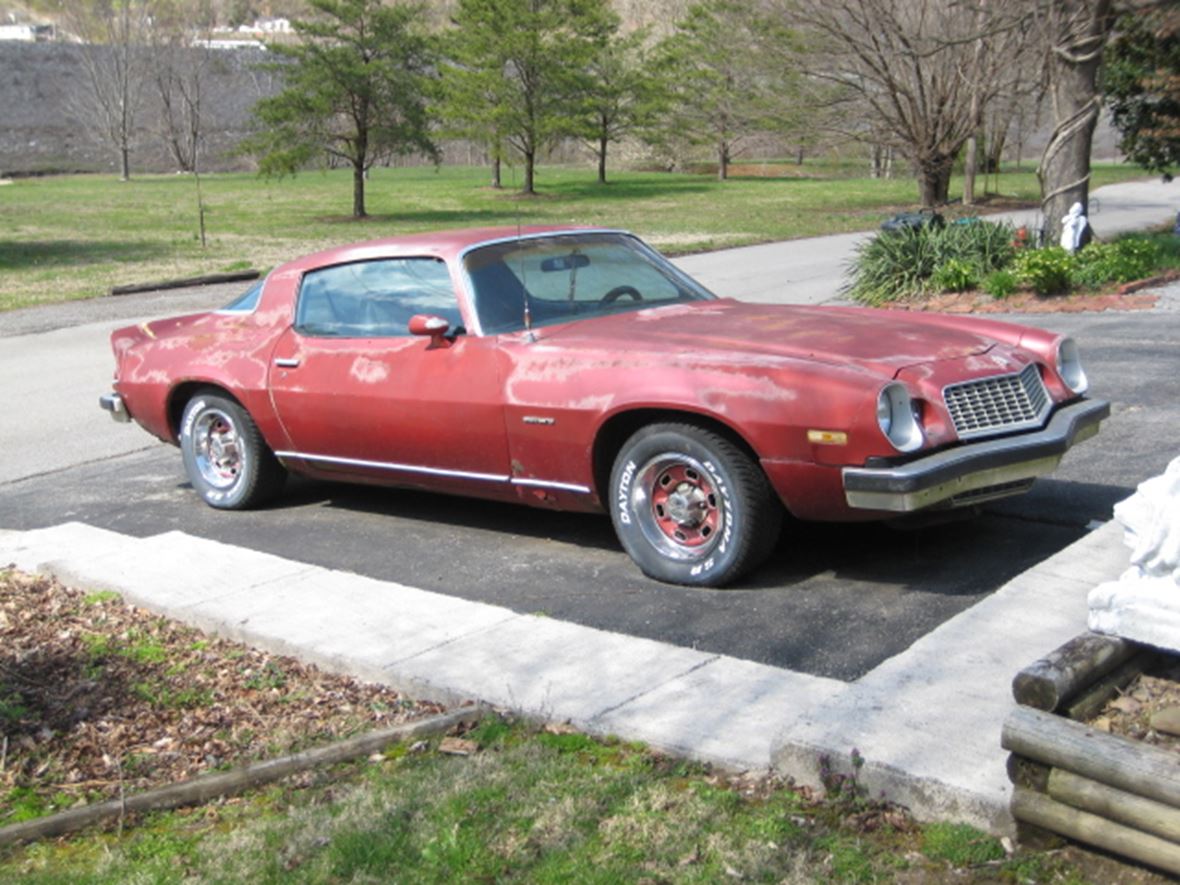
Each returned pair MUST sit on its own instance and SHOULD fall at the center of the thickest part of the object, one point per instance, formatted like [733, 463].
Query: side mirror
[433, 326]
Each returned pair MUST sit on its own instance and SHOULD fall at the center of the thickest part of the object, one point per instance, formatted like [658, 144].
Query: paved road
[810, 271]
[64, 460]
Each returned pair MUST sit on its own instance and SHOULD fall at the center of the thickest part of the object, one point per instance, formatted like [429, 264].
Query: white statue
[1144, 603]
[1073, 225]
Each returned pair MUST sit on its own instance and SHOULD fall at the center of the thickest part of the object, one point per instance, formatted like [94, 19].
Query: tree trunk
[722, 160]
[530, 161]
[934, 181]
[358, 189]
[1080, 31]
[497, 181]
[602, 143]
[124, 163]
[970, 163]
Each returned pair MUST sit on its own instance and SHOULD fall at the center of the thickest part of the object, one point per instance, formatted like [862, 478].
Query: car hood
[883, 342]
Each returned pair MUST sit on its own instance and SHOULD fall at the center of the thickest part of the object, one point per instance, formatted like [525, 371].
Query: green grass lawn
[71, 237]
[542, 808]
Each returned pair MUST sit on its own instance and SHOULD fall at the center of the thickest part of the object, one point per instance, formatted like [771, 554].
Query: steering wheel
[618, 292]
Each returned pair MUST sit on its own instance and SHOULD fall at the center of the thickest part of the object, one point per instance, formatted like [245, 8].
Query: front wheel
[225, 457]
[691, 507]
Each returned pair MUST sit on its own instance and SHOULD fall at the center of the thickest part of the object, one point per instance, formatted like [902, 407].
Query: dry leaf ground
[1129, 714]
[97, 696]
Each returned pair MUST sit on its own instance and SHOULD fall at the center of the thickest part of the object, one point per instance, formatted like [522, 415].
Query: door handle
[287, 362]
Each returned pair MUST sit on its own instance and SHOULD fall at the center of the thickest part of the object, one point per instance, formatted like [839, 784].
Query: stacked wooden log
[1105, 790]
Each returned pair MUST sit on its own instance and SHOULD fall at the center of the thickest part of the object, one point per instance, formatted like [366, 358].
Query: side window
[374, 299]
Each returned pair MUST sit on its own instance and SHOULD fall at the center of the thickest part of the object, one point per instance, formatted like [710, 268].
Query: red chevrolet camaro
[577, 369]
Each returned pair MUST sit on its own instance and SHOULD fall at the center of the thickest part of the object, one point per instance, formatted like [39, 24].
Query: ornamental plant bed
[1027, 302]
[1088, 760]
[1128, 296]
[99, 699]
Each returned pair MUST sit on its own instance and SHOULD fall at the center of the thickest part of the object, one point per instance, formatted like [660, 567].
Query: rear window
[247, 301]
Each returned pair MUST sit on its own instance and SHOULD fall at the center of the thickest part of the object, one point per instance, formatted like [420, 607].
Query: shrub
[1046, 270]
[897, 264]
[891, 265]
[1124, 260]
[954, 275]
[1000, 283]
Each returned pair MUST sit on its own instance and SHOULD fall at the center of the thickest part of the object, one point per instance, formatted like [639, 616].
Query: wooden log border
[1059, 676]
[236, 276]
[1106, 790]
[228, 783]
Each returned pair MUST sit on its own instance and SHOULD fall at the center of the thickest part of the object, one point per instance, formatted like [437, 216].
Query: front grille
[998, 404]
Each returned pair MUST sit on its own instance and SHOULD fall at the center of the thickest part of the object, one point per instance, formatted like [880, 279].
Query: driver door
[360, 396]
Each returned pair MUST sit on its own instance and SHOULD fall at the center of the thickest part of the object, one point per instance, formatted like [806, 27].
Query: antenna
[524, 289]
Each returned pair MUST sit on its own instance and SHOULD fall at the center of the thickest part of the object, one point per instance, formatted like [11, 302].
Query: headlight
[895, 416]
[1069, 366]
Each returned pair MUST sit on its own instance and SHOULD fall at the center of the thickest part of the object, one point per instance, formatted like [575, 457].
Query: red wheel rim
[684, 505]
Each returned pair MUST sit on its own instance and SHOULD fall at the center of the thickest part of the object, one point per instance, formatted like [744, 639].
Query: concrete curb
[927, 721]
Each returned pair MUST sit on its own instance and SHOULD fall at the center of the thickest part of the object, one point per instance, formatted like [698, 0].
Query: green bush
[898, 264]
[1124, 260]
[1048, 271]
[954, 275]
[1000, 283]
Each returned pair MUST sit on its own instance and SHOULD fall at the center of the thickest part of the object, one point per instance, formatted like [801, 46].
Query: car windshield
[571, 276]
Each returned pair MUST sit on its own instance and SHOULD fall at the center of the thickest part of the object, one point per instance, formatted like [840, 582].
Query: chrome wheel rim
[217, 448]
[678, 507]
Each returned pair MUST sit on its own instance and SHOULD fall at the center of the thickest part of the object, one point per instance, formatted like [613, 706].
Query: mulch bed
[1129, 296]
[1130, 714]
[99, 697]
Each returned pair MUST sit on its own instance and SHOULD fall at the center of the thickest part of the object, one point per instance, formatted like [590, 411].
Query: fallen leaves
[1148, 702]
[97, 696]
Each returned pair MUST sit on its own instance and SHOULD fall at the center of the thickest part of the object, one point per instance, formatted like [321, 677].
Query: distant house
[230, 44]
[27, 33]
[273, 25]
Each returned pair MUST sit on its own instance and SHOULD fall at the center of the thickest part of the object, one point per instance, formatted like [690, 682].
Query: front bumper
[114, 404]
[974, 472]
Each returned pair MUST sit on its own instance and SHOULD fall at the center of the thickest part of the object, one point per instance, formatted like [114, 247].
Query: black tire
[225, 457]
[691, 507]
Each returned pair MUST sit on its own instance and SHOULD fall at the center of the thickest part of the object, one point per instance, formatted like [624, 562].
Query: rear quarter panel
[159, 362]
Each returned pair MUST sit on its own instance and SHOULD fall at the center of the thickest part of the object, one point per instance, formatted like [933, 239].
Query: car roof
[447, 245]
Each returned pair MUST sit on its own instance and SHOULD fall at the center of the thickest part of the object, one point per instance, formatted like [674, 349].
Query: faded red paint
[534, 406]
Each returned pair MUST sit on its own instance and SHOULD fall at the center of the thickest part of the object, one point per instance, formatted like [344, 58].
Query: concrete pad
[726, 711]
[347, 623]
[551, 669]
[928, 721]
[31, 550]
[169, 572]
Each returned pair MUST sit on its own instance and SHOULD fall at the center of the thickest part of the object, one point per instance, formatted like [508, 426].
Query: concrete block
[71, 544]
[550, 669]
[726, 711]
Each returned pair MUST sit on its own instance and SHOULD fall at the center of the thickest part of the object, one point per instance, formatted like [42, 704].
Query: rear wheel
[225, 457]
[691, 507]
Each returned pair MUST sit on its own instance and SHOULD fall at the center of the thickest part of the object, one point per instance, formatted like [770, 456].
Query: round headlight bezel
[897, 418]
[1069, 366]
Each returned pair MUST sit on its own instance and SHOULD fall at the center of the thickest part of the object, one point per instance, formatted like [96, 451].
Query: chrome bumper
[114, 404]
[974, 472]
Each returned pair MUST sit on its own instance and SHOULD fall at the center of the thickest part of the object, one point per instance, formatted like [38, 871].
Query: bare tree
[1075, 33]
[113, 62]
[925, 70]
[180, 72]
